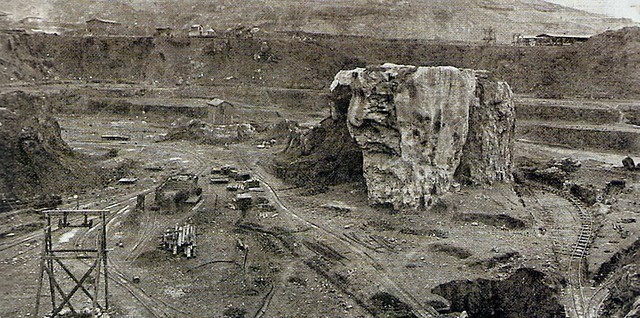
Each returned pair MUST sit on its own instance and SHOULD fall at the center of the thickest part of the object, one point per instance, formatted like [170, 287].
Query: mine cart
[226, 170]
[242, 176]
[233, 187]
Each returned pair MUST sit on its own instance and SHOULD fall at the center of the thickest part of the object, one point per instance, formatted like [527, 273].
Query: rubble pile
[423, 129]
[323, 155]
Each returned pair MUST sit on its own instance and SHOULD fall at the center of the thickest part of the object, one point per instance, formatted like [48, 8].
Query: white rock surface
[421, 129]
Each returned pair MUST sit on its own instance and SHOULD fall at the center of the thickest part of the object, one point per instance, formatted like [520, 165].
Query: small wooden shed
[220, 111]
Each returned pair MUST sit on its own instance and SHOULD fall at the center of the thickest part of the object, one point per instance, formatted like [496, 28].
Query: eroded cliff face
[423, 129]
[34, 160]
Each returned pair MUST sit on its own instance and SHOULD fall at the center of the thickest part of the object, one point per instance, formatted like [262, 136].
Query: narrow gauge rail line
[578, 252]
[364, 255]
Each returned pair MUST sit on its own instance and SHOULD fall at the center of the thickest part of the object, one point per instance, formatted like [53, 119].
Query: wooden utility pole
[56, 257]
[245, 249]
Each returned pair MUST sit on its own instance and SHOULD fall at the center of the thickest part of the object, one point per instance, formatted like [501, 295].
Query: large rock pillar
[421, 129]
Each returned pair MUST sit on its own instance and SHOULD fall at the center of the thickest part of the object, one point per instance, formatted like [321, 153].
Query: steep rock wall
[580, 71]
[422, 129]
[487, 153]
[624, 300]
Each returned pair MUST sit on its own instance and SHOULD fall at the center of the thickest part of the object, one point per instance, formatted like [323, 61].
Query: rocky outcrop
[422, 129]
[34, 159]
[624, 300]
[487, 154]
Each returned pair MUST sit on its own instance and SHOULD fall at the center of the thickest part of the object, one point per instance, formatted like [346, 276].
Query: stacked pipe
[180, 240]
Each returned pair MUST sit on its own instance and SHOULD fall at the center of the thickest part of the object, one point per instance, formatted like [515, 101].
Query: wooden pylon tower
[56, 260]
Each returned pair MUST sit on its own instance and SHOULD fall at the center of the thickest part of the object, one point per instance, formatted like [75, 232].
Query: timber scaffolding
[57, 258]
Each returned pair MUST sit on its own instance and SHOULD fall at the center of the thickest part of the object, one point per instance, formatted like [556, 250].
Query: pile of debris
[554, 173]
[625, 294]
[180, 240]
[323, 155]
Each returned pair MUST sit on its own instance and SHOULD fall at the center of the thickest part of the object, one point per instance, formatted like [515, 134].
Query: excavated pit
[624, 300]
[627, 256]
[623, 273]
[526, 293]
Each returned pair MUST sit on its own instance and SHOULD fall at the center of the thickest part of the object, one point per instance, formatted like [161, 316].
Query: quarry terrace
[318, 159]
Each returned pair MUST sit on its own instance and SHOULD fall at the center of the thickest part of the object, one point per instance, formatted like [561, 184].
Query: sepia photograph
[319, 158]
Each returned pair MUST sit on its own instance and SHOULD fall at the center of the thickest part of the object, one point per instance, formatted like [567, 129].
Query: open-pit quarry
[339, 177]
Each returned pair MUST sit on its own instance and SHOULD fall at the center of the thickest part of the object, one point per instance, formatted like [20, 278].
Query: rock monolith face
[423, 129]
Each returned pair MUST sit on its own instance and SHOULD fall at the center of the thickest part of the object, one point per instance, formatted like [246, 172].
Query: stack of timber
[180, 240]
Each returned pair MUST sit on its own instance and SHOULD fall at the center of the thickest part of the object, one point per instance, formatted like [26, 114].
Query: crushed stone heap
[423, 129]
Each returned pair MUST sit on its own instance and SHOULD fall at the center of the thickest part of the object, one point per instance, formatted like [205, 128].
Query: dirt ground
[310, 253]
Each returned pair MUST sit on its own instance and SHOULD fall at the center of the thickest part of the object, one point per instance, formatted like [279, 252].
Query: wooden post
[49, 264]
[193, 241]
[96, 282]
[104, 261]
[36, 312]
[140, 202]
[246, 254]
[244, 248]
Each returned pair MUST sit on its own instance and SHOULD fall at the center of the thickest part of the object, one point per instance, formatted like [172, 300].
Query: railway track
[577, 252]
[38, 233]
[146, 235]
[599, 296]
[114, 275]
[355, 249]
[21, 240]
[155, 307]
[153, 304]
[265, 302]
